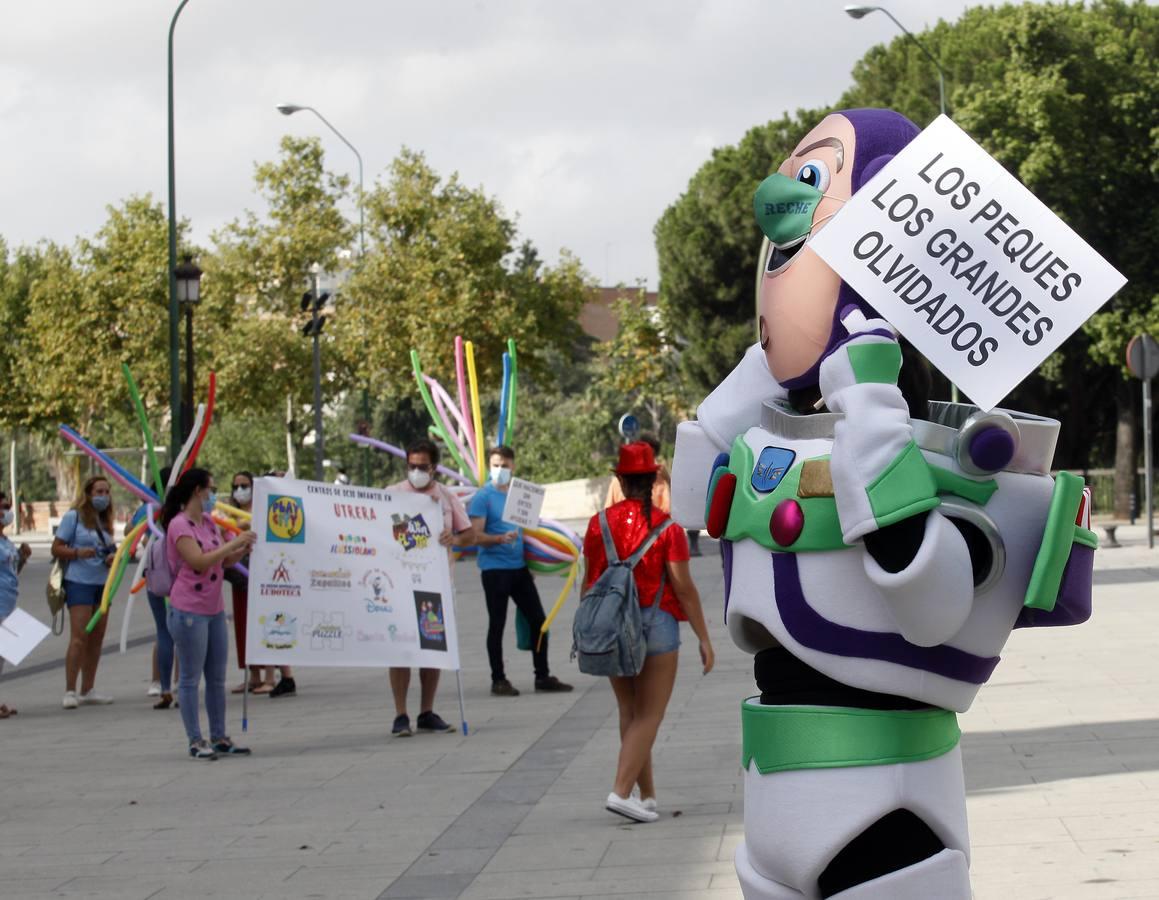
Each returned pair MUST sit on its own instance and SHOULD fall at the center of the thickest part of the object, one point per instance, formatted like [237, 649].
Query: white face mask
[418, 478]
[6, 518]
[500, 475]
[242, 495]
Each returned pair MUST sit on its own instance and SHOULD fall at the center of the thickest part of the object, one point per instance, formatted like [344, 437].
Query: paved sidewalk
[1062, 755]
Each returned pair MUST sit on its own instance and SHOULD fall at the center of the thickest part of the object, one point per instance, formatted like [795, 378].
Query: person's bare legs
[156, 671]
[91, 657]
[653, 689]
[78, 618]
[625, 691]
[428, 685]
[399, 683]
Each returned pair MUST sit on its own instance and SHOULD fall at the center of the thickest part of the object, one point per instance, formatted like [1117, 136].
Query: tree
[1064, 97]
[440, 263]
[707, 244]
[640, 366]
[253, 285]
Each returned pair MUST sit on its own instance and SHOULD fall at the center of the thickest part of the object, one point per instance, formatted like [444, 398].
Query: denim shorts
[77, 594]
[661, 630]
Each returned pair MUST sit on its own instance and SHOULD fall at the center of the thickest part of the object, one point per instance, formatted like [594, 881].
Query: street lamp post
[858, 12]
[188, 277]
[316, 300]
[288, 109]
[174, 337]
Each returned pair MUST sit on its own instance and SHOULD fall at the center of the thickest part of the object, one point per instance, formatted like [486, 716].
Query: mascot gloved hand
[878, 549]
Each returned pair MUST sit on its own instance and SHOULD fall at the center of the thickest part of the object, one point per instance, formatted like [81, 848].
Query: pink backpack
[158, 575]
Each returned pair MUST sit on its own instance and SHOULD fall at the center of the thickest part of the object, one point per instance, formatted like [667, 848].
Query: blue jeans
[164, 641]
[202, 644]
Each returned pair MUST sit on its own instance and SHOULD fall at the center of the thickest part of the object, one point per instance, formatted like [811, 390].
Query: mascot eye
[815, 174]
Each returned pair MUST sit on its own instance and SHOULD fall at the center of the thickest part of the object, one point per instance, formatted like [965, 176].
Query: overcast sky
[585, 118]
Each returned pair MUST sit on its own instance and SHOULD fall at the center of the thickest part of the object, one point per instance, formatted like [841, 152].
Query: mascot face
[800, 297]
[798, 292]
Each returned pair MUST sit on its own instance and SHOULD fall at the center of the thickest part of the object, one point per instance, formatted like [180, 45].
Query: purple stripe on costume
[809, 628]
[1073, 606]
[726, 564]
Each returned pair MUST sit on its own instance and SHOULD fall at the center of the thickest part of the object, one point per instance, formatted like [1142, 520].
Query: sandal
[240, 689]
[6, 711]
[165, 702]
[264, 688]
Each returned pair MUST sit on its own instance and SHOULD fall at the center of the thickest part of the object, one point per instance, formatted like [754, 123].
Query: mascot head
[800, 297]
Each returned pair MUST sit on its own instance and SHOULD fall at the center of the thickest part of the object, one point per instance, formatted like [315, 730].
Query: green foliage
[1062, 95]
[439, 265]
[707, 244]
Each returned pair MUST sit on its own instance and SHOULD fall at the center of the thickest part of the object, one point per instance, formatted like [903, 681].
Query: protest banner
[348, 576]
[20, 634]
[965, 262]
[524, 503]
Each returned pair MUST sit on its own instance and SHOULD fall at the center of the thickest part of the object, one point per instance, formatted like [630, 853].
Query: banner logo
[432, 625]
[286, 520]
[375, 584]
[281, 582]
[279, 631]
[330, 579]
[327, 631]
[412, 533]
[353, 545]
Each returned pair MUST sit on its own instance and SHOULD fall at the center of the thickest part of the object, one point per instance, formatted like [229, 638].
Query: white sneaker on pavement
[92, 698]
[629, 808]
[154, 689]
[70, 701]
[649, 803]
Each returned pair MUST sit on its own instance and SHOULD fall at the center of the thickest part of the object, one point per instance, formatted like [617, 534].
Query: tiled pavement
[1061, 749]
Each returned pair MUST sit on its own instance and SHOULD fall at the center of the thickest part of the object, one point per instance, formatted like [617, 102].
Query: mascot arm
[885, 493]
[731, 409]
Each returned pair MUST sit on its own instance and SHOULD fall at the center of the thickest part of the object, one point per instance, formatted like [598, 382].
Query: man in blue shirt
[505, 574]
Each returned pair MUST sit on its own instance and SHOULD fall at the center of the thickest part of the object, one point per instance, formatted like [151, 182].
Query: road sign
[1143, 357]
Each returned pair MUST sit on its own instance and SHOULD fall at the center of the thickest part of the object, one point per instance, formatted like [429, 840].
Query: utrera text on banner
[965, 262]
[348, 576]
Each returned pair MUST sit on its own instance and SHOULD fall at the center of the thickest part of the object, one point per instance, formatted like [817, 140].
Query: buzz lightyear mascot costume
[877, 555]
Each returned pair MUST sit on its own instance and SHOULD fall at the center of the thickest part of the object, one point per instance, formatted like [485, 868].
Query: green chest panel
[752, 511]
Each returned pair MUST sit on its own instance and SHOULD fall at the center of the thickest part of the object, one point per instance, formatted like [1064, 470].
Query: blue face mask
[101, 502]
[501, 475]
[209, 503]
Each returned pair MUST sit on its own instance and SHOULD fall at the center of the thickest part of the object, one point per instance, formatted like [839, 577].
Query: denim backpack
[158, 575]
[607, 634]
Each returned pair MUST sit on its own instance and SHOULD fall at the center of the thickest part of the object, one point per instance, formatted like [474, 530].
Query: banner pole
[462, 710]
[245, 696]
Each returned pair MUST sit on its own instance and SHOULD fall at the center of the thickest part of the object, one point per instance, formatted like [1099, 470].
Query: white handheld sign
[19, 635]
[524, 503]
[965, 262]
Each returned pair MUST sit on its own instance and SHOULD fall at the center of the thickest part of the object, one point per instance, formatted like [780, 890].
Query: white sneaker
[70, 701]
[629, 808]
[154, 689]
[649, 803]
[92, 698]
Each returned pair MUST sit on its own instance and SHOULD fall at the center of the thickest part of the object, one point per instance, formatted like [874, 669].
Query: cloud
[585, 119]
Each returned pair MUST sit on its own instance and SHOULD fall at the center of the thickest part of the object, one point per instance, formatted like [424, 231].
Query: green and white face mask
[784, 206]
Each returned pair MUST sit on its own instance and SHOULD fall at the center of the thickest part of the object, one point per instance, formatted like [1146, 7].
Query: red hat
[636, 459]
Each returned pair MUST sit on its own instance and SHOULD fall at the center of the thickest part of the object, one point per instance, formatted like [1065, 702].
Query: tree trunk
[66, 473]
[1125, 464]
[291, 452]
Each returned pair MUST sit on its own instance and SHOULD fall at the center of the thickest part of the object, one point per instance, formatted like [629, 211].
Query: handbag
[54, 592]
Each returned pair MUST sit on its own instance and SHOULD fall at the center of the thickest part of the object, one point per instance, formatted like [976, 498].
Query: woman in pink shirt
[197, 555]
